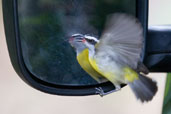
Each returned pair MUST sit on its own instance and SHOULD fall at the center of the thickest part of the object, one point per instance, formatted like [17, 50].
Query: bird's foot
[117, 87]
[101, 92]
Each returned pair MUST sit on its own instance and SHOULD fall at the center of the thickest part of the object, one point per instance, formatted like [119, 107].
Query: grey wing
[123, 35]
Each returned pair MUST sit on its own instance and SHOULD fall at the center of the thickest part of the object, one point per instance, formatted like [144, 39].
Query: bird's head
[90, 41]
[81, 42]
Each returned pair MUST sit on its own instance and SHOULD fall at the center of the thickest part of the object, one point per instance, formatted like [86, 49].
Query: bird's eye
[91, 41]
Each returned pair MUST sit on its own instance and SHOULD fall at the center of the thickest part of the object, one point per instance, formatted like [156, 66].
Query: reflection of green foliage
[105, 7]
[167, 96]
[45, 51]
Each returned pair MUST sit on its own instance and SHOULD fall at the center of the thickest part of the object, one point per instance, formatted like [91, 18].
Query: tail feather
[144, 88]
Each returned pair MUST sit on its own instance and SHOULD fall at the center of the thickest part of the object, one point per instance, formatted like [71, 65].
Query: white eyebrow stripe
[77, 35]
[91, 38]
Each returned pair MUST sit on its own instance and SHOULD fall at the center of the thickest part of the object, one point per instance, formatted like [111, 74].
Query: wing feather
[123, 38]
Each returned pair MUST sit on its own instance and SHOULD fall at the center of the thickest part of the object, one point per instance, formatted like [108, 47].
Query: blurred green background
[167, 96]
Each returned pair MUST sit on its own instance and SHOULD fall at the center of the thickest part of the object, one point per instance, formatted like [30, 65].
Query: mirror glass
[45, 26]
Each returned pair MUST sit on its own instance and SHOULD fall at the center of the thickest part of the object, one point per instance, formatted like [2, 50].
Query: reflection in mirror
[45, 26]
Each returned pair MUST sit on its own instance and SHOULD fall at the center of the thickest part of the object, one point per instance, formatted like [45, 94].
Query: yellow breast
[83, 60]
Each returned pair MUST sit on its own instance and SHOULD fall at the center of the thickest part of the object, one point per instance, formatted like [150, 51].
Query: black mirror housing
[10, 13]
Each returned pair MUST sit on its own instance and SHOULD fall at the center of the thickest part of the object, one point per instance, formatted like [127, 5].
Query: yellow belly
[108, 75]
[126, 75]
[130, 75]
[83, 60]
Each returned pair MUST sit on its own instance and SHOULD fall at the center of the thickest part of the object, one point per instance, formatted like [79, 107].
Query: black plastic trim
[158, 54]
[142, 15]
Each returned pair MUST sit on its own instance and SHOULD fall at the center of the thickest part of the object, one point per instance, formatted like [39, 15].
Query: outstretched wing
[122, 39]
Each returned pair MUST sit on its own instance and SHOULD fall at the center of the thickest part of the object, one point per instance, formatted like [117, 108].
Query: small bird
[116, 57]
[82, 51]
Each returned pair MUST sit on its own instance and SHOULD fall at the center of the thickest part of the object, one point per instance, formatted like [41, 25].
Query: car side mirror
[36, 31]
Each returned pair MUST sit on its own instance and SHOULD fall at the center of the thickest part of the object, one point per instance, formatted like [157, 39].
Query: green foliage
[106, 7]
[167, 96]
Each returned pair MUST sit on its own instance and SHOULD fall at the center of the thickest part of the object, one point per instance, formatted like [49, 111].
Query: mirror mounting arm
[158, 49]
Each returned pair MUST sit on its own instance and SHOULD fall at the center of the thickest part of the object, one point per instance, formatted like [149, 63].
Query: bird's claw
[101, 92]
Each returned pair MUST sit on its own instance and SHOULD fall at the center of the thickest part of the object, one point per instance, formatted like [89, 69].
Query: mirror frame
[10, 15]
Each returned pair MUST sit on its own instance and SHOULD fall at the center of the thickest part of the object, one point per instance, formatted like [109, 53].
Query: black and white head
[80, 42]
[90, 41]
